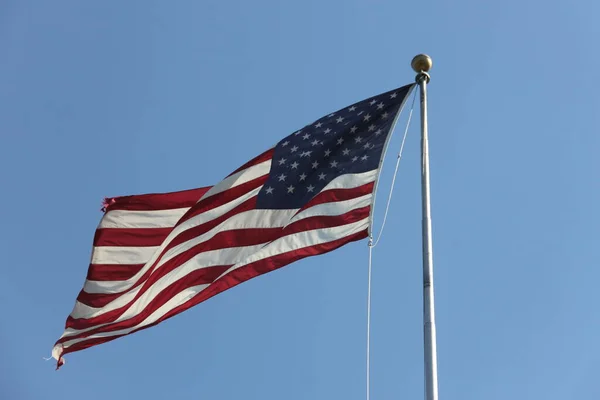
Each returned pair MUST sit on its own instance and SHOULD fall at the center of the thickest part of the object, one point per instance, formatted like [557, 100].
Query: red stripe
[96, 300]
[328, 221]
[222, 198]
[228, 281]
[201, 229]
[333, 195]
[157, 201]
[112, 272]
[267, 155]
[316, 222]
[131, 237]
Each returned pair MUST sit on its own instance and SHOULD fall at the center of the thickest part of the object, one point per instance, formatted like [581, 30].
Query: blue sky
[111, 98]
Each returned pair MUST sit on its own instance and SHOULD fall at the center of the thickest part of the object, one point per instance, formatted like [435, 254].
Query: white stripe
[211, 214]
[288, 243]
[122, 255]
[333, 208]
[351, 181]
[302, 239]
[252, 219]
[142, 219]
[239, 178]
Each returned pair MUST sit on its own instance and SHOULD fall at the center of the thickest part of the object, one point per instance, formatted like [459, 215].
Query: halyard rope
[372, 245]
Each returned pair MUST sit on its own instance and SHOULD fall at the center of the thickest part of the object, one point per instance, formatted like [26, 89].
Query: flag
[156, 255]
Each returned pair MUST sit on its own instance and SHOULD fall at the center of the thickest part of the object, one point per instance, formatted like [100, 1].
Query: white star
[340, 141]
[372, 102]
[281, 177]
[340, 119]
[294, 165]
[327, 153]
[294, 149]
[393, 95]
[367, 117]
[364, 158]
[290, 189]
[353, 129]
[326, 131]
[315, 165]
[285, 143]
[282, 161]
[333, 164]
[269, 190]
[371, 128]
[354, 158]
[305, 153]
[331, 115]
[378, 132]
[367, 145]
[318, 125]
[302, 177]
[322, 176]
[310, 188]
[384, 115]
[380, 106]
[346, 152]
[315, 142]
[298, 132]
[306, 136]
[358, 139]
[352, 108]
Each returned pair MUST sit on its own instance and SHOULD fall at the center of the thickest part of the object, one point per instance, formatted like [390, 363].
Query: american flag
[156, 255]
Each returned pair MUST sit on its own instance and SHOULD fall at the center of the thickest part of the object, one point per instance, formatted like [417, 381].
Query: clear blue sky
[111, 98]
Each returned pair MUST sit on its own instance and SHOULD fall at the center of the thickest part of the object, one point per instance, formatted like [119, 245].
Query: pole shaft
[429, 335]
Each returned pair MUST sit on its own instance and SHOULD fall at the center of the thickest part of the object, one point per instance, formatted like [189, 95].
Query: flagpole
[421, 64]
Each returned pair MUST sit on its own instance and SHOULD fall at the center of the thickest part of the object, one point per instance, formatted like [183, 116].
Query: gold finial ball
[421, 63]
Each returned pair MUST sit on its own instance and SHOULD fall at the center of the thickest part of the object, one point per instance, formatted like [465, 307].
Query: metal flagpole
[421, 64]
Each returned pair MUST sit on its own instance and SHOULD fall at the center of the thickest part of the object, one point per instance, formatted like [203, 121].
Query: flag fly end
[57, 351]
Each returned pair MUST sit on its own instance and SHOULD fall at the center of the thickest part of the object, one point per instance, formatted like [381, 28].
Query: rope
[372, 245]
[369, 320]
[398, 158]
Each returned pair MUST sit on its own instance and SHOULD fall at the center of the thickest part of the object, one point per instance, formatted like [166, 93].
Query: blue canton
[348, 141]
